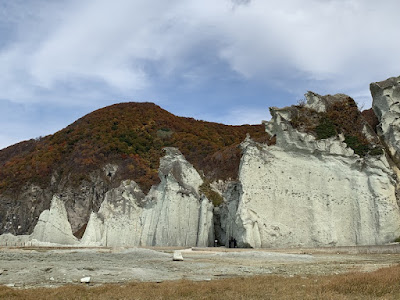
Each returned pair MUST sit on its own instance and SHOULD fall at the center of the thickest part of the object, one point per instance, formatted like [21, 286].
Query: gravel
[25, 268]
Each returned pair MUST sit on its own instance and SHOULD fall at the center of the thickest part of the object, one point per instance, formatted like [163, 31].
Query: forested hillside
[131, 135]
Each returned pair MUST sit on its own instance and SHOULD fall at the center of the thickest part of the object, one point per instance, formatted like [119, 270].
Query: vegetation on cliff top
[131, 135]
[341, 117]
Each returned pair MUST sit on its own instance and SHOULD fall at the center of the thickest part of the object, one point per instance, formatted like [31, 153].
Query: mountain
[124, 139]
[320, 173]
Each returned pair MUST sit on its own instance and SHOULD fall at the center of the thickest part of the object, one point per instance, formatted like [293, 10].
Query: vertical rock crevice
[172, 214]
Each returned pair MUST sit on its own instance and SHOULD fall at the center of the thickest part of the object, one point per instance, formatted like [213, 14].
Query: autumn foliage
[131, 135]
[340, 117]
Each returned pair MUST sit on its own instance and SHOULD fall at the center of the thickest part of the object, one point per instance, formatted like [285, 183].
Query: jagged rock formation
[52, 227]
[386, 105]
[21, 216]
[308, 192]
[176, 213]
[321, 103]
[88, 158]
[117, 222]
[172, 214]
[315, 183]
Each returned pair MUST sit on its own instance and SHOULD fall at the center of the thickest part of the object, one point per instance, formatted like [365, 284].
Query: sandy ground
[34, 267]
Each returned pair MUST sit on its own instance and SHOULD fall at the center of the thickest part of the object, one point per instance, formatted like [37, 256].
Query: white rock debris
[177, 256]
[85, 279]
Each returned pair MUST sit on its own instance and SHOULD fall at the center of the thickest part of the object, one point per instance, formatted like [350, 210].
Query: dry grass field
[380, 284]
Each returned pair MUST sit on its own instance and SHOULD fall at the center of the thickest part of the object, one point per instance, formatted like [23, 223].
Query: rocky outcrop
[19, 212]
[321, 103]
[228, 225]
[172, 214]
[52, 228]
[308, 192]
[303, 188]
[386, 105]
[176, 213]
[53, 225]
[118, 221]
[19, 216]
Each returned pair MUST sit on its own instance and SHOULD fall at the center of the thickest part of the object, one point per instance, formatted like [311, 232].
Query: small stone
[51, 278]
[1, 271]
[177, 256]
[85, 279]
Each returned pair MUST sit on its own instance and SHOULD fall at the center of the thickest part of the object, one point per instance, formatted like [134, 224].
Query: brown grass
[381, 284]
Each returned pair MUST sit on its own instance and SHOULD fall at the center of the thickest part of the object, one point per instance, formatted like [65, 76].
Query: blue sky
[217, 60]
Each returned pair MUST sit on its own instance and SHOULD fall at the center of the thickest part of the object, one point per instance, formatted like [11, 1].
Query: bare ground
[53, 267]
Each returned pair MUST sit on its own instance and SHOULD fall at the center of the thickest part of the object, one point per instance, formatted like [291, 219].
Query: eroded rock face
[19, 213]
[321, 103]
[52, 228]
[308, 192]
[300, 191]
[53, 225]
[386, 105]
[118, 221]
[172, 214]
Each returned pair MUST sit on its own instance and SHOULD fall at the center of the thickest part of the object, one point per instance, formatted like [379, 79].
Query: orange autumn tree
[131, 135]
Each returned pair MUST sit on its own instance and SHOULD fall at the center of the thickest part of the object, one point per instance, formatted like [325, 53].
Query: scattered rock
[177, 256]
[85, 279]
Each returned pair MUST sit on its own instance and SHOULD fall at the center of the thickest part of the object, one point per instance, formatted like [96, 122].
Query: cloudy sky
[218, 60]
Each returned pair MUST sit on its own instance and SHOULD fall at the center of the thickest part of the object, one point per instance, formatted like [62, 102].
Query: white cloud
[97, 50]
[340, 43]
[101, 40]
[328, 40]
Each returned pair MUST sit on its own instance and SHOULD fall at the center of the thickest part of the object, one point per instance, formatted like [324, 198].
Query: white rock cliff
[308, 192]
[53, 225]
[300, 191]
[52, 228]
[386, 105]
[172, 214]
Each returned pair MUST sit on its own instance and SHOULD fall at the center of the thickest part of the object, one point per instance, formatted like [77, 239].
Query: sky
[224, 61]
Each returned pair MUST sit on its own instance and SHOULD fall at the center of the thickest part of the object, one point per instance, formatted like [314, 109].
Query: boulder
[177, 256]
[85, 279]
